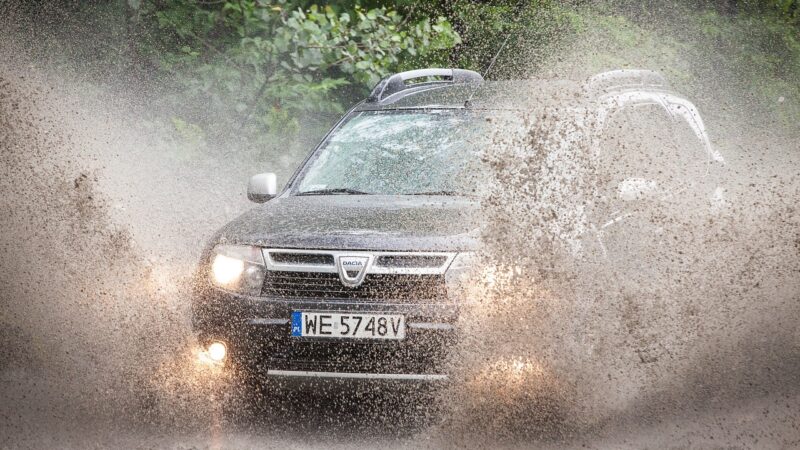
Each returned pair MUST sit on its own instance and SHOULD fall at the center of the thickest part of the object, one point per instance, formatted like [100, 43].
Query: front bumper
[257, 332]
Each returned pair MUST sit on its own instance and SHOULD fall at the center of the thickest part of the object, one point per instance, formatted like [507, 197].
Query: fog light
[217, 351]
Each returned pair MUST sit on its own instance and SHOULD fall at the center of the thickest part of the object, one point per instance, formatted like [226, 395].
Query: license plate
[348, 325]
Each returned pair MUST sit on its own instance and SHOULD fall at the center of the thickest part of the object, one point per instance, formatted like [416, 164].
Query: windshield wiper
[436, 193]
[335, 191]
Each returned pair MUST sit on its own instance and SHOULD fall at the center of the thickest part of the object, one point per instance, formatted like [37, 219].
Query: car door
[654, 179]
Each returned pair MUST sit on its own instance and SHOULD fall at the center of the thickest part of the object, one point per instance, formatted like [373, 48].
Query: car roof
[516, 94]
[608, 91]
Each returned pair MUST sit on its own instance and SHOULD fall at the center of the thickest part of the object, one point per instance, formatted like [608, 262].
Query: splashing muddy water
[695, 343]
[691, 300]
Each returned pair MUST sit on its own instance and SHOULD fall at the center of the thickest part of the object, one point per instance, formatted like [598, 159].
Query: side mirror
[262, 187]
[632, 189]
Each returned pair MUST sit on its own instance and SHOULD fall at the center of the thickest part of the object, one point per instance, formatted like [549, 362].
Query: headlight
[217, 351]
[226, 269]
[238, 268]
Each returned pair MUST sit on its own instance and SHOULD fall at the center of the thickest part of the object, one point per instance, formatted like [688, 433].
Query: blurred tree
[265, 65]
[271, 75]
[788, 10]
[524, 30]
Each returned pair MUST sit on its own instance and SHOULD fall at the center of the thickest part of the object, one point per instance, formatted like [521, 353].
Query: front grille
[398, 287]
[411, 261]
[302, 258]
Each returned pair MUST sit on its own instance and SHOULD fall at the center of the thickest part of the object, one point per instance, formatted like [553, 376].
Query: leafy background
[268, 77]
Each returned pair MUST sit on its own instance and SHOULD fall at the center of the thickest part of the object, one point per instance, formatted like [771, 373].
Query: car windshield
[397, 153]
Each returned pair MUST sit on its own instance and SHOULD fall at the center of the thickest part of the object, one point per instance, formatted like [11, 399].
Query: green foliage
[261, 67]
[765, 56]
[750, 60]
[786, 10]
[267, 77]
[525, 31]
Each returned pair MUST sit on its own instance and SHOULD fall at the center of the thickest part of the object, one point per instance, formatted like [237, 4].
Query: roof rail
[623, 78]
[393, 84]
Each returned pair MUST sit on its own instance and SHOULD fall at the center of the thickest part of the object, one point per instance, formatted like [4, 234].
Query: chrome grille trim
[442, 259]
[431, 326]
[358, 376]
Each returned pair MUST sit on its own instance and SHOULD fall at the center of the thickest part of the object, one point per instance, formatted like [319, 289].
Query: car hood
[359, 222]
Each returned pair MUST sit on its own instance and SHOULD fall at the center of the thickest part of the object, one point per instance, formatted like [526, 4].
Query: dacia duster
[346, 272]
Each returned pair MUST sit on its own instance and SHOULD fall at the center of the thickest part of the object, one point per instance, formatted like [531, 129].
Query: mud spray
[694, 345]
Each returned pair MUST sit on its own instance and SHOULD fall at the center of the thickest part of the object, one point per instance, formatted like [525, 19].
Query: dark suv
[344, 273]
[348, 272]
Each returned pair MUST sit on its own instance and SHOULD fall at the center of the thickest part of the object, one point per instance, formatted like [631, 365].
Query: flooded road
[39, 414]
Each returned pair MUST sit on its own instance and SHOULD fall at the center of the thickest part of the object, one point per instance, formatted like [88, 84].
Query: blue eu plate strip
[297, 323]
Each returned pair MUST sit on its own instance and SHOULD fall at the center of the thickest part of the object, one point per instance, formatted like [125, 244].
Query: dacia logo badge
[352, 269]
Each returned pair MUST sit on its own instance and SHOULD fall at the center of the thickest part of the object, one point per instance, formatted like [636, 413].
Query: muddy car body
[349, 276]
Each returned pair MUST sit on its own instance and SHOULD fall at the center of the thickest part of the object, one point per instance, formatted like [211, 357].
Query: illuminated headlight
[238, 268]
[226, 269]
[217, 351]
